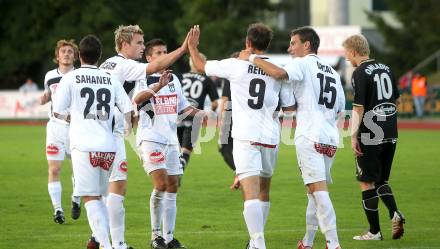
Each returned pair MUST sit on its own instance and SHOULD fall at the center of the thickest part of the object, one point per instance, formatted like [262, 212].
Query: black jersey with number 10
[375, 89]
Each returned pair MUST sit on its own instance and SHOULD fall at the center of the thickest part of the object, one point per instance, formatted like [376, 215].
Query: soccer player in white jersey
[57, 131]
[92, 95]
[160, 99]
[255, 128]
[320, 99]
[129, 44]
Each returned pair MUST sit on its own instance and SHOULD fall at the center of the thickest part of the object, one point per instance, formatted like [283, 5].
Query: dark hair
[259, 35]
[153, 43]
[90, 49]
[307, 34]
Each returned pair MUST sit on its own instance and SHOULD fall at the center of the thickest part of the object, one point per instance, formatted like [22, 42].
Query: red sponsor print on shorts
[123, 166]
[165, 104]
[157, 157]
[325, 149]
[103, 160]
[52, 149]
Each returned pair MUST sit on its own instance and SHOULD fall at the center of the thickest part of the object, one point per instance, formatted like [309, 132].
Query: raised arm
[193, 42]
[167, 60]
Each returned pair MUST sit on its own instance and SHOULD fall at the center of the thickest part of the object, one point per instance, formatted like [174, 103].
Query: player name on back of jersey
[376, 66]
[324, 68]
[93, 79]
[255, 70]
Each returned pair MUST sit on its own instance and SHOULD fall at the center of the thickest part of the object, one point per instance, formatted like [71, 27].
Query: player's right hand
[356, 147]
[236, 184]
[165, 78]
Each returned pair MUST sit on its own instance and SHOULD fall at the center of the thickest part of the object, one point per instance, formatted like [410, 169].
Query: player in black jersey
[196, 87]
[374, 134]
[225, 141]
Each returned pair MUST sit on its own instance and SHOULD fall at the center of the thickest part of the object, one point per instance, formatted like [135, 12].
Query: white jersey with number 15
[320, 97]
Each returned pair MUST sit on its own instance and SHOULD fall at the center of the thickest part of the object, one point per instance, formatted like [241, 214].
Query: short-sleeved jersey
[196, 87]
[158, 115]
[51, 80]
[254, 96]
[320, 97]
[127, 72]
[92, 95]
[376, 90]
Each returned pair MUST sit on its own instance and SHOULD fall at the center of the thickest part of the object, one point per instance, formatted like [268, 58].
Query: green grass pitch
[209, 214]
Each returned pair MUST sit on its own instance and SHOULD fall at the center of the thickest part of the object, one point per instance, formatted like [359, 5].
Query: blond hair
[357, 43]
[62, 43]
[191, 63]
[125, 34]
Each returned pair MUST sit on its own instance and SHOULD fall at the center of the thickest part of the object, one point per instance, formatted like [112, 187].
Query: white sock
[76, 199]
[54, 189]
[311, 221]
[116, 213]
[156, 211]
[326, 218]
[253, 216]
[265, 207]
[169, 215]
[98, 222]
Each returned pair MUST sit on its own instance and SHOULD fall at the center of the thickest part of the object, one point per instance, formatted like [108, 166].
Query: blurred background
[404, 34]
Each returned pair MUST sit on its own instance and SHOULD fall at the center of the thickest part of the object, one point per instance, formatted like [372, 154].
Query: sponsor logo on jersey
[52, 149]
[325, 149]
[157, 157]
[385, 109]
[123, 166]
[171, 87]
[165, 104]
[103, 160]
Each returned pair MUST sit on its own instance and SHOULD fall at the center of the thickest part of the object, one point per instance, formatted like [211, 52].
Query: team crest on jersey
[165, 104]
[157, 157]
[171, 87]
[123, 167]
[52, 149]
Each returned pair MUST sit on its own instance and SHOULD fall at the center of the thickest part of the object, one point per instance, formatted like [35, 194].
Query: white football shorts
[252, 159]
[120, 165]
[57, 140]
[89, 180]
[160, 156]
[314, 160]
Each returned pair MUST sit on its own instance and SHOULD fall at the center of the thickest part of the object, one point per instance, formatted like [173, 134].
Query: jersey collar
[89, 66]
[120, 55]
[366, 61]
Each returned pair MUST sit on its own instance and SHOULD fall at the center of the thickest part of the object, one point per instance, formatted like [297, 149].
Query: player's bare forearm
[214, 105]
[45, 98]
[165, 61]
[271, 69]
[143, 96]
[191, 111]
[356, 119]
[199, 62]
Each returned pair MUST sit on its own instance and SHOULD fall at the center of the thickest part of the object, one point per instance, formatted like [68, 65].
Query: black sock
[370, 203]
[385, 193]
[185, 156]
